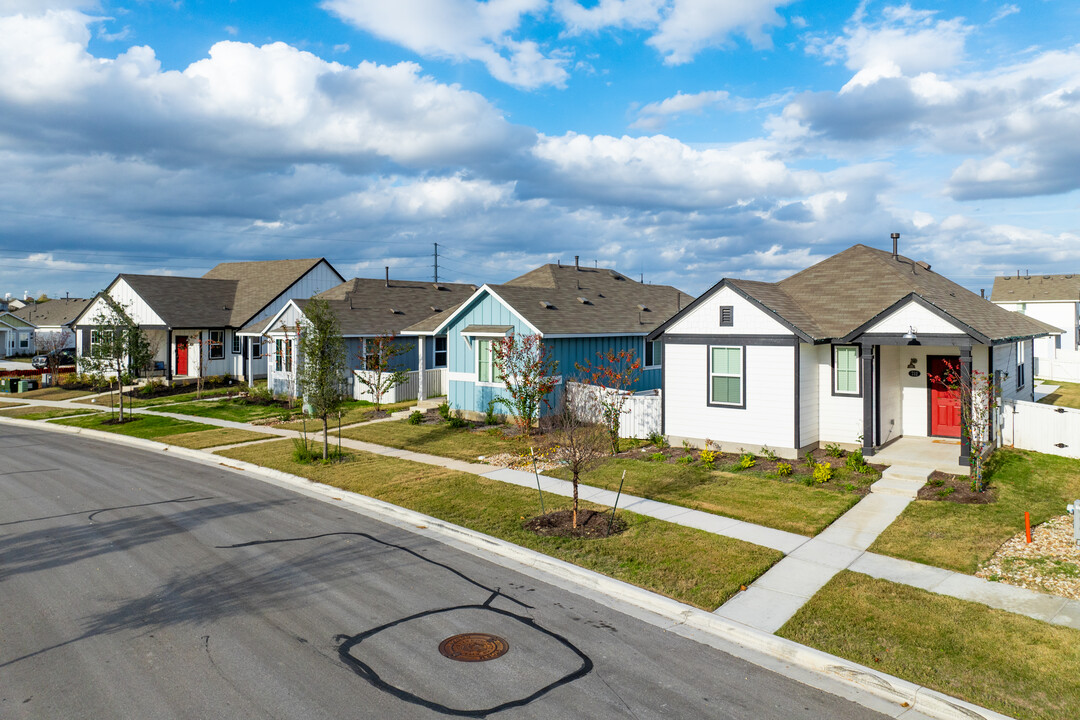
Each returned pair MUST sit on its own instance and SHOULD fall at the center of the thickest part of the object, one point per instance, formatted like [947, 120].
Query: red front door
[181, 355]
[944, 403]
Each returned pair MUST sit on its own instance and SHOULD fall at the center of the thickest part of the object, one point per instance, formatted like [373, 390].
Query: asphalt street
[139, 586]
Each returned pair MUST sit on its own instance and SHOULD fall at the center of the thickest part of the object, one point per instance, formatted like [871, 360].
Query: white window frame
[1020, 365]
[495, 379]
[836, 374]
[237, 345]
[653, 345]
[279, 355]
[445, 352]
[217, 347]
[288, 355]
[741, 375]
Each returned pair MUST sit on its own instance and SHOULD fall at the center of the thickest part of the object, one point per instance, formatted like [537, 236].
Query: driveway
[142, 586]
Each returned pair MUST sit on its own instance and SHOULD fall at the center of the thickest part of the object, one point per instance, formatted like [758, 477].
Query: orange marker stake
[1027, 525]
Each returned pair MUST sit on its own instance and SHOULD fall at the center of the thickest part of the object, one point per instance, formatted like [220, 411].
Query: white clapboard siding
[1042, 428]
[641, 416]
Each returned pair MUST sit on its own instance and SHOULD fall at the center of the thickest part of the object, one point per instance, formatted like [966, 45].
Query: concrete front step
[901, 480]
[429, 404]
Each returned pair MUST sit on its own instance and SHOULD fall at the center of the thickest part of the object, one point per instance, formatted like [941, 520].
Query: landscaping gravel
[1050, 563]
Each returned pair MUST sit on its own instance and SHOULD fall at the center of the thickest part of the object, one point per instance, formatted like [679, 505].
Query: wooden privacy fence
[643, 410]
[435, 383]
[1042, 428]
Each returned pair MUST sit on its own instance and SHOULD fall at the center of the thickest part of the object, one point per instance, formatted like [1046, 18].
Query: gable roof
[54, 313]
[840, 295]
[13, 321]
[568, 300]
[259, 282]
[367, 306]
[1036, 288]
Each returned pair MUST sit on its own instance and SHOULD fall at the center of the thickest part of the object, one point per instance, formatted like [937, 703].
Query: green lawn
[141, 426]
[139, 401]
[1067, 394]
[1006, 662]
[55, 393]
[43, 412]
[10, 404]
[743, 495]
[213, 438]
[353, 411]
[960, 537]
[458, 443]
[233, 410]
[689, 565]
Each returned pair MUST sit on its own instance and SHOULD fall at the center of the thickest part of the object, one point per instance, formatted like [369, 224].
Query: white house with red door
[844, 352]
[194, 324]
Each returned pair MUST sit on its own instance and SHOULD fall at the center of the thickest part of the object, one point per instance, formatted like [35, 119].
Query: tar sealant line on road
[875, 690]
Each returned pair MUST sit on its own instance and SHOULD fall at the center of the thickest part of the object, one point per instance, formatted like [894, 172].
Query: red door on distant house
[181, 355]
[944, 403]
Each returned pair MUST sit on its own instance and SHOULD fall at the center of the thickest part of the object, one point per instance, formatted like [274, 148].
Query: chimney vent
[577, 265]
[387, 276]
[982, 293]
[895, 242]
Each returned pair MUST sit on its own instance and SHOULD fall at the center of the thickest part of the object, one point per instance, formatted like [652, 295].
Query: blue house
[578, 311]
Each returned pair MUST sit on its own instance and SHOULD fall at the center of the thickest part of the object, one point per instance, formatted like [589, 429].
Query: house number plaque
[914, 373]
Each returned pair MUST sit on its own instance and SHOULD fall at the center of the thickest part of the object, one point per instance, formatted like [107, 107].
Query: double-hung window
[440, 351]
[486, 370]
[726, 376]
[236, 344]
[1019, 364]
[217, 344]
[288, 355]
[846, 370]
[654, 353]
[279, 354]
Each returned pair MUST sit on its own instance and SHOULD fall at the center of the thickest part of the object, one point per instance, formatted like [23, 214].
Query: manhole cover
[473, 647]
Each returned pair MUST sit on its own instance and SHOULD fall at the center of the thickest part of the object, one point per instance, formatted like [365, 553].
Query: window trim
[654, 345]
[220, 345]
[709, 376]
[858, 372]
[279, 355]
[1020, 362]
[237, 344]
[445, 352]
[493, 382]
[288, 355]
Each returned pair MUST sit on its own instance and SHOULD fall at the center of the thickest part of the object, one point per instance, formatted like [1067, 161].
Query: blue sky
[685, 140]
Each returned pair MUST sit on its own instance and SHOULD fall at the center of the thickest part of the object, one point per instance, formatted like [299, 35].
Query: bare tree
[50, 344]
[582, 444]
[377, 360]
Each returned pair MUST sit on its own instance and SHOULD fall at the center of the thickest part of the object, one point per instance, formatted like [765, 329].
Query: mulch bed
[955, 488]
[591, 524]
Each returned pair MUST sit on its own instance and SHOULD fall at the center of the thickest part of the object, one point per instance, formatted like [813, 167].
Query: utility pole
[436, 263]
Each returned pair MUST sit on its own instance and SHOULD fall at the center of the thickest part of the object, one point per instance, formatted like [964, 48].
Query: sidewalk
[808, 564]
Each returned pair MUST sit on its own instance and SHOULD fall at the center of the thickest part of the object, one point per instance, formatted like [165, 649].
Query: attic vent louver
[546, 305]
[435, 309]
[643, 308]
[923, 265]
[437, 286]
[584, 300]
[395, 311]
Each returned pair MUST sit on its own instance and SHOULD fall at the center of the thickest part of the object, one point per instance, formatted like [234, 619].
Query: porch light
[911, 334]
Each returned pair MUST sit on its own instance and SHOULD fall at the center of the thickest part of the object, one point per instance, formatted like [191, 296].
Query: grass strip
[202, 439]
[43, 412]
[224, 410]
[55, 393]
[961, 537]
[353, 412]
[1006, 662]
[1067, 395]
[148, 427]
[745, 495]
[689, 565]
[442, 440]
[11, 404]
[109, 399]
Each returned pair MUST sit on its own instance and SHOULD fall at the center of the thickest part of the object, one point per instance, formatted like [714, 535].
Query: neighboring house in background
[188, 318]
[16, 335]
[52, 318]
[366, 308]
[1053, 299]
[578, 311]
[841, 352]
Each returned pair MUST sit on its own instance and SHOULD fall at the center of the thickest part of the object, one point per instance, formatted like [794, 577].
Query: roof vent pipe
[982, 293]
[387, 276]
[895, 242]
[577, 265]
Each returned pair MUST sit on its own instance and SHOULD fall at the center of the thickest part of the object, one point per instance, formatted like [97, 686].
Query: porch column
[965, 397]
[420, 397]
[866, 378]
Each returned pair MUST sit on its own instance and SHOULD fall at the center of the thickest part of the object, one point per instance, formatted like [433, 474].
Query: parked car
[67, 357]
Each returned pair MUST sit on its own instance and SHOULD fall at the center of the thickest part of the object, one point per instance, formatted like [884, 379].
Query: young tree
[117, 345]
[979, 395]
[204, 346]
[582, 444]
[378, 358]
[50, 344]
[611, 380]
[527, 371]
[321, 375]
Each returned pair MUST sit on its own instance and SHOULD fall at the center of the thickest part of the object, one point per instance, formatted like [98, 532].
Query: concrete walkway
[808, 564]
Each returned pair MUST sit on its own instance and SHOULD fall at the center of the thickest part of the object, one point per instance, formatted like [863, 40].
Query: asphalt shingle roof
[1034, 288]
[56, 312]
[258, 283]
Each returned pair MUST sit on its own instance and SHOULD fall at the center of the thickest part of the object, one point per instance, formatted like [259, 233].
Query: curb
[908, 696]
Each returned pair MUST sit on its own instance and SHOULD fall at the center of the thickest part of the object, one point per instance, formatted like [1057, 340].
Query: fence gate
[1042, 428]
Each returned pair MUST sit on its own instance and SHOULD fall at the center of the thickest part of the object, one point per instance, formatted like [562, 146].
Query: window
[1057, 342]
[440, 351]
[654, 353]
[235, 344]
[288, 355]
[486, 372]
[726, 376]
[846, 370]
[727, 316]
[279, 354]
[24, 340]
[97, 337]
[1019, 364]
[217, 344]
[256, 347]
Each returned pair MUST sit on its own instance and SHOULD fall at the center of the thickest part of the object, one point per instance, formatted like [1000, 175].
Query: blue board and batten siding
[469, 396]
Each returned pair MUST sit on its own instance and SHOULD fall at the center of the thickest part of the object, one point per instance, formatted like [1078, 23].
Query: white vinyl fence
[1042, 428]
[436, 382]
[1062, 370]
[643, 416]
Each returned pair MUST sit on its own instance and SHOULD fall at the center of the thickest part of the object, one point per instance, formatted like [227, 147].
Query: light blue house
[578, 312]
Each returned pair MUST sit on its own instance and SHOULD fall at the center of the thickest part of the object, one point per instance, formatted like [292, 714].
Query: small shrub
[850, 487]
[834, 450]
[855, 460]
[945, 492]
[302, 451]
[823, 473]
[768, 454]
[457, 421]
[657, 457]
[285, 415]
[867, 470]
[259, 395]
[809, 461]
[935, 482]
[708, 458]
[686, 459]
[746, 461]
[687, 445]
[490, 418]
[415, 417]
[444, 411]
[784, 469]
[658, 441]
[151, 388]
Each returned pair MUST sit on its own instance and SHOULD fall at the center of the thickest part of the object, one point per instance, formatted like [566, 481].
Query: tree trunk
[325, 439]
[574, 519]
